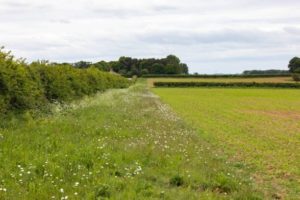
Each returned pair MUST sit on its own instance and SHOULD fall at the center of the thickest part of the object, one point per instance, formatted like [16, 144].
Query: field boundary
[214, 76]
[227, 84]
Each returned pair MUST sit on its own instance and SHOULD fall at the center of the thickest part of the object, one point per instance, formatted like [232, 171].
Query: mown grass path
[123, 144]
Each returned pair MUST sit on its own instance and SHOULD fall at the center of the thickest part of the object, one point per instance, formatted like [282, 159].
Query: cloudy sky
[214, 36]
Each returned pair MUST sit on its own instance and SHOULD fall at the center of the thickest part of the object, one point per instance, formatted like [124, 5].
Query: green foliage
[266, 72]
[20, 87]
[131, 66]
[102, 65]
[296, 77]
[82, 64]
[227, 84]
[196, 75]
[296, 74]
[176, 181]
[294, 64]
[127, 66]
[24, 86]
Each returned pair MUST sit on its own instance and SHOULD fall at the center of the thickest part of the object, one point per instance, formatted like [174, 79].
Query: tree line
[266, 72]
[128, 66]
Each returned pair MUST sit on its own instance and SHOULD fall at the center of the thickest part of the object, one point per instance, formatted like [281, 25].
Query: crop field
[259, 80]
[257, 128]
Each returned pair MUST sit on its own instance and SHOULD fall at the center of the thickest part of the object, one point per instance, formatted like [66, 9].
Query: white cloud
[210, 36]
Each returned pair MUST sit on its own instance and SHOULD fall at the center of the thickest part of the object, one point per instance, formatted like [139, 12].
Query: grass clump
[177, 181]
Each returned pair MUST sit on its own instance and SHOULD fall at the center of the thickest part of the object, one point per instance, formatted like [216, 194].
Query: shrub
[226, 84]
[214, 75]
[20, 88]
[296, 77]
[24, 86]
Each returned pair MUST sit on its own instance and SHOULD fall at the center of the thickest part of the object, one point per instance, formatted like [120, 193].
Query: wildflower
[61, 190]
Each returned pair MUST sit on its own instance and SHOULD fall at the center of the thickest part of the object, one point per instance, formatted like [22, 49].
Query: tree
[184, 68]
[102, 65]
[82, 64]
[145, 71]
[157, 68]
[294, 65]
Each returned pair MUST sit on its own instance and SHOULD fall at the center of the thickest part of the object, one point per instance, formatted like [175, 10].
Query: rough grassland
[256, 127]
[123, 144]
[259, 80]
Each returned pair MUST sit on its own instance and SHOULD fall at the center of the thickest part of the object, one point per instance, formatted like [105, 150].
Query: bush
[24, 86]
[227, 84]
[214, 75]
[296, 77]
[20, 88]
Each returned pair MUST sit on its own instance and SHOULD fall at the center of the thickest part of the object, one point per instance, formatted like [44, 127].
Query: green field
[258, 128]
[259, 80]
[123, 144]
[132, 144]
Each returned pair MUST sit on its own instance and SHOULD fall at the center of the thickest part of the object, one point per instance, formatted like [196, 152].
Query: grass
[259, 80]
[256, 127]
[123, 144]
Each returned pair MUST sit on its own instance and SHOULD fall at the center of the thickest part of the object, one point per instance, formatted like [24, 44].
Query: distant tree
[128, 66]
[157, 68]
[82, 64]
[294, 65]
[144, 71]
[184, 68]
[123, 72]
[171, 59]
[102, 65]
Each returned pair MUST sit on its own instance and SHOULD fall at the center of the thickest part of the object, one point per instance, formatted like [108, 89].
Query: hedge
[214, 76]
[24, 86]
[296, 77]
[227, 84]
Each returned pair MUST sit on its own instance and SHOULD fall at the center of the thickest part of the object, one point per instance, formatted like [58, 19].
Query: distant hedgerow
[227, 84]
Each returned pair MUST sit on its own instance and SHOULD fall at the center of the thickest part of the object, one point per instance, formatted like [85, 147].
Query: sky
[214, 36]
